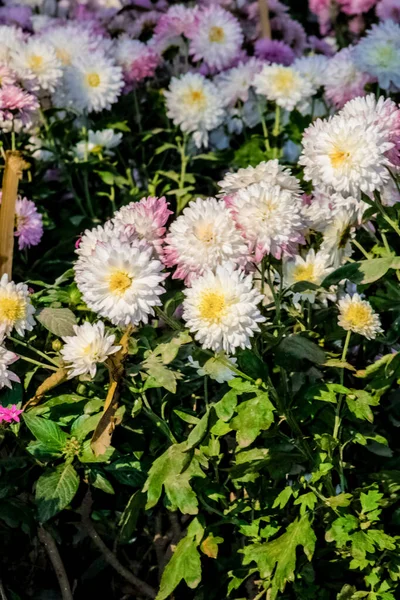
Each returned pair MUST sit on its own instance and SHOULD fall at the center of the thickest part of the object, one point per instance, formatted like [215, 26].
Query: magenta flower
[274, 51]
[356, 7]
[9, 414]
[17, 103]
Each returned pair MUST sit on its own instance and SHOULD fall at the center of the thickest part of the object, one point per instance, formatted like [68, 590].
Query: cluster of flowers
[328, 10]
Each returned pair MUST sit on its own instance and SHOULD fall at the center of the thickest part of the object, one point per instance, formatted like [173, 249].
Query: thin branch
[109, 556]
[54, 556]
[264, 18]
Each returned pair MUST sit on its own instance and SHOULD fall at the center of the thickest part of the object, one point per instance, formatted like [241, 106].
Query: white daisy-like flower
[234, 84]
[87, 243]
[283, 85]
[337, 238]
[37, 148]
[69, 41]
[11, 38]
[203, 237]
[317, 210]
[221, 309]
[120, 283]
[216, 368]
[343, 79]
[89, 346]
[195, 105]
[378, 54]
[269, 217]
[390, 195]
[6, 377]
[358, 316]
[36, 61]
[270, 172]
[98, 142]
[16, 310]
[313, 268]
[312, 68]
[346, 155]
[216, 38]
[91, 83]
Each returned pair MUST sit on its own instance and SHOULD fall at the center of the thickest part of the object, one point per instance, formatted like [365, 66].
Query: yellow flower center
[217, 35]
[96, 149]
[35, 62]
[284, 80]
[385, 55]
[195, 98]
[338, 157]
[304, 273]
[64, 56]
[212, 306]
[93, 79]
[12, 309]
[358, 315]
[119, 282]
[205, 233]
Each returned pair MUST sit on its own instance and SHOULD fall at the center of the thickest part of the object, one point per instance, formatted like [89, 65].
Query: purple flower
[274, 51]
[29, 223]
[9, 414]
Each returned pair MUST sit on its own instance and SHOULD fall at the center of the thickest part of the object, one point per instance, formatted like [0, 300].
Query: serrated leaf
[55, 489]
[46, 432]
[340, 500]
[283, 498]
[253, 416]
[185, 563]
[59, 321]
[308, 500]
[225, 408]
[277, 559]
[370, 501]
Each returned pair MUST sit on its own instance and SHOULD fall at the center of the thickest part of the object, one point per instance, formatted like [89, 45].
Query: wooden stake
[12, 174]
[264, 18]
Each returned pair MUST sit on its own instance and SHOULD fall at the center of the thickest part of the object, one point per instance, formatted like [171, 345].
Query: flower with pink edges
[144, 220]
[356, 7]
[176, 22]
[15, 103]
[7, 76]
[138, 61]
[343, 80]
[10, 414]
[324, 9]
[388, 9]
[28, 222]
[274, 51]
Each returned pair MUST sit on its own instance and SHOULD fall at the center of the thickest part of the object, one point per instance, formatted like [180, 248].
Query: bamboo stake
[12, 174]
[264, 18]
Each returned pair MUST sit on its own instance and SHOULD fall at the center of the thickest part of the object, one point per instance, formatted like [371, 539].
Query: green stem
[338, 418]
[206, 391]
[87, 195]
[182, 177]
[162, 426]
[388, 220]
[277, 125]
[265, 129]
[13, 140]
[361, 249]
[385, 242]
[138, 118]
[36, 362]
[39, 352]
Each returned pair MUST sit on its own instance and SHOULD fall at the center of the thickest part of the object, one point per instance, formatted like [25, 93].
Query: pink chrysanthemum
[7, 77]
[356, 7]
[274, 51]
[388, 9]
[137, 60]
[9, 414]
[324, 10]
[29, 223]
[144, 220]
[16, 103]
[176, 22]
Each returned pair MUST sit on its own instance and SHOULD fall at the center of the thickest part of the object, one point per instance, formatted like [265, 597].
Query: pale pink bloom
[357, 25]
[344, 81]
[356, 7]
[16, 103]
[137, 60]
[7, 77]
[388, 9]
[144, 220]
[176, 22]
[324, 10]
[9, 414]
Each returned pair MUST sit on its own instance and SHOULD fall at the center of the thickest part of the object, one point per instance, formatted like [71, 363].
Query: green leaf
[340, 500]
[340, 530]
[129, 517]
[359, 403]
[55, 489]
[185, 563]
[84, 424]
[59, 321]
[169, 351]
[47, 432]
[308, 500]
[199, 432]
[159, 375]
[209, 546]
[366, 271]
[370, 501]
[42, 452]
[226, 406]
[325, 392]
[87, 455]
[253, 416]
[283, 498]
[277, 559]
[296, 347]
[97, 480]
[128, 471]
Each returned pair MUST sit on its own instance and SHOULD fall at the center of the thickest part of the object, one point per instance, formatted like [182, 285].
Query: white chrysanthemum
[269, 218]
[378, 54]
[216, 368]
[337, 238]
[390, 194]
[11, 38]
[358, 316]
[317, 210]
[91, 83]
[89, 346]
[36, 60]
[195, 104]
[98, 142]
[346, 155]
[69, 41]
[16, 310]
[270, 172]
[6, 377]
[203, 237]
[311, 269]
[312, 68]
[120, 283]
[343, 79]
[283, 85]
[37, 148]
[221, 309]
[91, 237]
[216, 38]
[235, 83]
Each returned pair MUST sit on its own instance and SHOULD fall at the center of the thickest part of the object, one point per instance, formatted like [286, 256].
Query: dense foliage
[199, 357]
